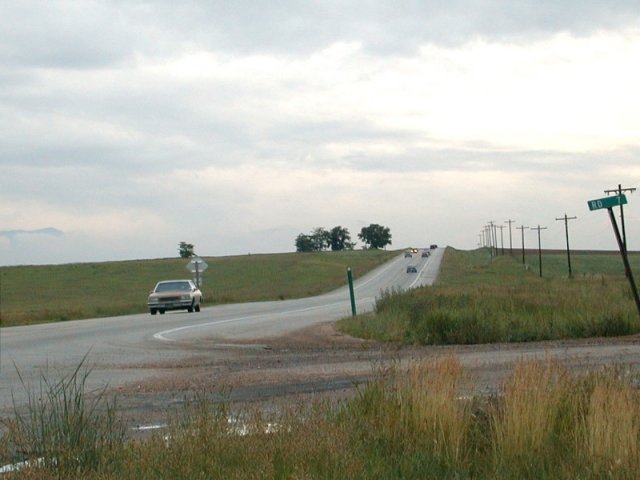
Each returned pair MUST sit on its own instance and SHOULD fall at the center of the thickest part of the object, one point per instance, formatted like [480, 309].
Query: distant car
[425, 253]
[412, 269]
[407, 255]
[175, 295]
[433, 246]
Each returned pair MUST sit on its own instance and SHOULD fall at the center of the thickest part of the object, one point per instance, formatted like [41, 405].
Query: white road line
[380, 272]
[426, 264]
[162, 336]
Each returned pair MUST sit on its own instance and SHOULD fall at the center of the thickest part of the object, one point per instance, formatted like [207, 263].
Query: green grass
[34, 294]
[582, 263]
[479, 299]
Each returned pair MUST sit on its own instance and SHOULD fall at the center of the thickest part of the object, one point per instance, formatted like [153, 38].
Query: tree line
[338, 238]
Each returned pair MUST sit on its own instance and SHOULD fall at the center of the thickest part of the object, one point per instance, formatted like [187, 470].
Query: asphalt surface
[121, 350]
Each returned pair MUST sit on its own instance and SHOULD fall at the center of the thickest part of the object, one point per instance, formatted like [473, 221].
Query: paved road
[117, 348]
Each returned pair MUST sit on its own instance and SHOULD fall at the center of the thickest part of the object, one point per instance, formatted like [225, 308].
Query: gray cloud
[80, 35]
[63, 34]
[392, 27]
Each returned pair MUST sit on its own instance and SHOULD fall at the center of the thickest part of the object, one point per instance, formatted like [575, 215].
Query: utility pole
[510, 244]
[538, 228]
[566, 231]
[492, 232]
[501, 227]
[522, 229]
[487, 230]
[620, 191]
[625, 259]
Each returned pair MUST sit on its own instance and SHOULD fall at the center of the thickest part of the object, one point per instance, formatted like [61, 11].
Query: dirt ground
[319, 363]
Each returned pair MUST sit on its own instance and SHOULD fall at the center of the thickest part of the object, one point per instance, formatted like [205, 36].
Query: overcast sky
[129, 126]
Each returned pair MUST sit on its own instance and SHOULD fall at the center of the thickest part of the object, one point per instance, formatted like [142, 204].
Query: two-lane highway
[120, 349]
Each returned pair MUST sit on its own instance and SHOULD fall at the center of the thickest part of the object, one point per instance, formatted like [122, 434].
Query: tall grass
[481, 301]
[526, 423]
[610, 426]
[546, 423]
[410, 421]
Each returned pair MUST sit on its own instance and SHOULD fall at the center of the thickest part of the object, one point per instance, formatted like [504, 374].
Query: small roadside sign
[607, 202]
[196, 264]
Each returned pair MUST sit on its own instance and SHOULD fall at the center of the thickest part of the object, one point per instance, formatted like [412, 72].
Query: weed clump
[65, 428]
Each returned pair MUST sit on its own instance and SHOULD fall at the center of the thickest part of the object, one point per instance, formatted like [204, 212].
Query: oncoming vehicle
[175, 295]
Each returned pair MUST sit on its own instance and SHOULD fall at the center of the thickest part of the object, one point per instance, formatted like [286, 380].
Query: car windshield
[169, 286]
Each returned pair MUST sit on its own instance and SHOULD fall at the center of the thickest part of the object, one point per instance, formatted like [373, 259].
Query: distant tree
[340, 239]
[304, 243]
[186, 250]
[321, 239]
[318, 240]
[375, 236]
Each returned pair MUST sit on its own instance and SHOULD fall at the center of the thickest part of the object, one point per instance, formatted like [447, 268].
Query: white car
[175, 295]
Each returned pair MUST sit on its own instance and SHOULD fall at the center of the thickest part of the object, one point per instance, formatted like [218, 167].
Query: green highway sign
[607, 202]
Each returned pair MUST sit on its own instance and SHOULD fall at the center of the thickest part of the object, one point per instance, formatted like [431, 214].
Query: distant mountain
[54, 232]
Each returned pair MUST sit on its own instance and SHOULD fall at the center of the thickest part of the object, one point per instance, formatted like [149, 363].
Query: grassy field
[479, 299]
[34, 294]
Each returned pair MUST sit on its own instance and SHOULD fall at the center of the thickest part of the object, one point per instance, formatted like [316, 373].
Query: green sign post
[351, 294]
[607, 202]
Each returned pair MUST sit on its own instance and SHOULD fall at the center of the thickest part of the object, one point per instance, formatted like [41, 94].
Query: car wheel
[153, 311]
[161, 312]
